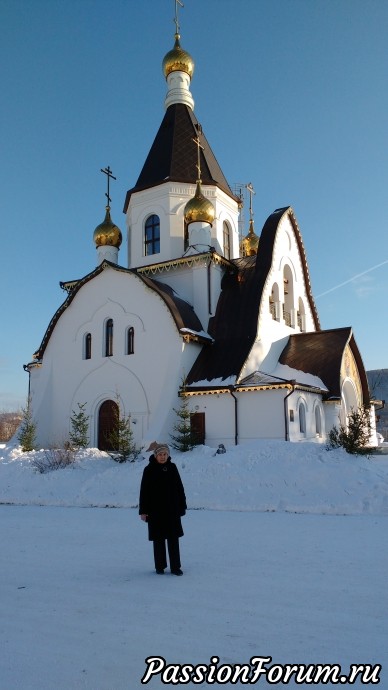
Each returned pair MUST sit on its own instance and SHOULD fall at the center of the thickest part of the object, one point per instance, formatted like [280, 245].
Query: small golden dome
[178, 60]
[199, 209]
[249, 245]
[107, 233]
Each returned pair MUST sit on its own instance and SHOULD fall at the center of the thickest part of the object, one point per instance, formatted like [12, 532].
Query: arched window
[152, 235]
[288, 304]
[318, 421]
[88, 346]
[301, 316]
[274, 302]
[130, 345]
[226, 240]
[302, 419]
[109, 338]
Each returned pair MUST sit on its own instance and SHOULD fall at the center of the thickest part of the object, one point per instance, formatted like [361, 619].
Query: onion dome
[199, 209]
[107, 233]
[178, 60]
[249, 245]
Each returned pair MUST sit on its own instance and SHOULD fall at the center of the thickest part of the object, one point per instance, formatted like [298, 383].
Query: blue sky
[292, 96]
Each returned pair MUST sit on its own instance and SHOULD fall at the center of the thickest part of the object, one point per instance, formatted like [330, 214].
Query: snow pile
[260, 476]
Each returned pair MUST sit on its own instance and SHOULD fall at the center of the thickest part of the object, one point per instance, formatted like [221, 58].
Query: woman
[162, 503]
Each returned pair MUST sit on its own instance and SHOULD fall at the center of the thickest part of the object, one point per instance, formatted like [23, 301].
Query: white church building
[235, 319]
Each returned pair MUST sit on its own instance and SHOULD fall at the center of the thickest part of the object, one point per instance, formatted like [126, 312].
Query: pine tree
[27, 431]
[184, 438]
[355, 435]
[79, 422]
[121, 438]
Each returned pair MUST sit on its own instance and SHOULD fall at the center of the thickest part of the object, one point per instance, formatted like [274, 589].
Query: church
[194, 310]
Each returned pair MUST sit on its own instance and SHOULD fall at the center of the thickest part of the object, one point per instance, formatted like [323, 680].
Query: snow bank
[259, 476]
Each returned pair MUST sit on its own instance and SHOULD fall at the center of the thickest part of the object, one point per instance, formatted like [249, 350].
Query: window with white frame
[226, 240]
[130, 341]
[318, 421]
[109, 338]
[87, 346]
[152, 235]
[302, 418]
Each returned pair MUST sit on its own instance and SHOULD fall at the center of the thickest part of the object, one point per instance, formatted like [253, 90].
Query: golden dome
[249, 245]
[107, 233]
[178, 60]
[199, 209]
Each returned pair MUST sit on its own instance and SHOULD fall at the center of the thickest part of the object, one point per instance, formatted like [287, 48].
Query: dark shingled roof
[173, 155]
[182, 312]
[321, 354]
[234, 326]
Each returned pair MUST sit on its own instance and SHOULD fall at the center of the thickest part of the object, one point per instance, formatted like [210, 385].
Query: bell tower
[159, 229]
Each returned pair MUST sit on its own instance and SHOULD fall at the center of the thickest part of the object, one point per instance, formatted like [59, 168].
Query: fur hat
[160, 447]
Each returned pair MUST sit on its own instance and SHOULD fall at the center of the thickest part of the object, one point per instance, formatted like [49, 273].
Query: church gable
[182, 313]
[331, 355]
[286, 295]
[264, 299]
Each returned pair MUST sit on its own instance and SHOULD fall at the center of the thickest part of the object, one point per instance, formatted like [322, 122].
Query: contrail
[354, 278]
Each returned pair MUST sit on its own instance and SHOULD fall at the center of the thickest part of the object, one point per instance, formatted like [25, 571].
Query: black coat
[162, 498]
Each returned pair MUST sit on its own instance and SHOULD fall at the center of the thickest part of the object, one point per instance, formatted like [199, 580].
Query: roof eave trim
[191, 391]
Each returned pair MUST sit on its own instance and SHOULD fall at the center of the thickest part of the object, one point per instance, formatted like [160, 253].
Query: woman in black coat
[162, 503]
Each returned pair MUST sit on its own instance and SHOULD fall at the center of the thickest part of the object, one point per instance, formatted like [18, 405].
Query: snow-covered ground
[284, 556]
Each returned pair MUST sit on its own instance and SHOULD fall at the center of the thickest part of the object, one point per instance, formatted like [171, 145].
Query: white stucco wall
[168, 202]
[260, 414]
[272, 333]
[146, 381]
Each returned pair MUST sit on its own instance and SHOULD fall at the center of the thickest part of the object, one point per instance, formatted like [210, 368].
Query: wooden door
[197, 424]
[107, 418]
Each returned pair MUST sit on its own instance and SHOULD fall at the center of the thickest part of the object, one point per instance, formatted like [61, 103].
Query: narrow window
[152, 235]
[226, 239]
[130, 340]
[88, 346]
[302, 419]
[109, 338]
[318, 424]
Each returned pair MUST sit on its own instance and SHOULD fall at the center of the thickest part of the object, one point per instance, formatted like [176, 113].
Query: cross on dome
[176, 20]
[107, 171]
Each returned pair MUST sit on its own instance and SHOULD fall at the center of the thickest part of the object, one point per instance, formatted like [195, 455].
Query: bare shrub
[54, 459]
[9, 422]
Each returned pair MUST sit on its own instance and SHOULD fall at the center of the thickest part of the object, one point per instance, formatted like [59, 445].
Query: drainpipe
[286, 419]
[231, 389]
[209, 299]
[28, 370]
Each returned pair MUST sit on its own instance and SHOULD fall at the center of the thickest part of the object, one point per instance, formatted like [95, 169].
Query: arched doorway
[107, 420]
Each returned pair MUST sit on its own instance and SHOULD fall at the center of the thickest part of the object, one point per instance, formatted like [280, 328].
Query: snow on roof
[199, 334]
[285, 372]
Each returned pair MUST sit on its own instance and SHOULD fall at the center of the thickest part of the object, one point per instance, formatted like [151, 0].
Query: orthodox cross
[199, 147]
[251, 191]
[176, 20]
[107, 171]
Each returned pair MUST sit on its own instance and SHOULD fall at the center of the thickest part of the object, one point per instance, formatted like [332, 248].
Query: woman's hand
[144, 517]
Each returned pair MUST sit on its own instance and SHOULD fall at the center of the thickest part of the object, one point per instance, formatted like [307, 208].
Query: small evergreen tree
[184, 438]
[27, 431]
[355, 435]
[123, 447]
[79, 432]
